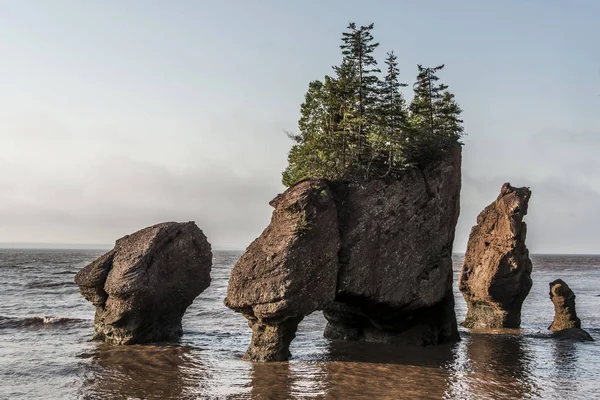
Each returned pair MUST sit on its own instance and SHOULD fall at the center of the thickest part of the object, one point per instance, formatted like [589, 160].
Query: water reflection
[352, 370]
[564, 368]
[494, 365]
[388, 372]
[139, 372]
[271, 380]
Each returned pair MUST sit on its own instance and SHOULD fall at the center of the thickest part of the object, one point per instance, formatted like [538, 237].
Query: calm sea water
[45, 352]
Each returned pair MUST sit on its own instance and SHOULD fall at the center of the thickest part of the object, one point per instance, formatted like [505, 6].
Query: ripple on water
[45, 350]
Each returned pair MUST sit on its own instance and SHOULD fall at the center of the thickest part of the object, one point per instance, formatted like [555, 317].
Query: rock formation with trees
[366, 228]
[376, 256]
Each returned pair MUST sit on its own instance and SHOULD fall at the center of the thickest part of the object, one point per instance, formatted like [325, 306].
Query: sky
[118, 115]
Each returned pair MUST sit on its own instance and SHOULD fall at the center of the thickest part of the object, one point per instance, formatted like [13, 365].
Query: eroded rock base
[482, 315]
[271, 342]
[383, 324]
[573, 334]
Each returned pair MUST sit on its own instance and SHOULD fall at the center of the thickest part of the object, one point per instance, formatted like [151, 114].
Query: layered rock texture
[375, 256]
[143, 286]
[496, 274]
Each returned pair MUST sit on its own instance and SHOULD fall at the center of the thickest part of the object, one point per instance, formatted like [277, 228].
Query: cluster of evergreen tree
[357, 124]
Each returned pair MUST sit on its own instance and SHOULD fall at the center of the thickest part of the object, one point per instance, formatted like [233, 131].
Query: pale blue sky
[118, 114]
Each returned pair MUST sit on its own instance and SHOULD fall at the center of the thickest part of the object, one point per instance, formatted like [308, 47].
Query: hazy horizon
[116, 116]
[107, 247]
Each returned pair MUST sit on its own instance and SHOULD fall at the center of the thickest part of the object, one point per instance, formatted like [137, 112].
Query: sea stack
[142, 287]
[374, 255]
[496, 274]
[566, 324]
[563, 299]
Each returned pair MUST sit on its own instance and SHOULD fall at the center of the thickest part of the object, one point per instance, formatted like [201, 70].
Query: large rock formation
[376, 256]
[143, 286]
[496, 274]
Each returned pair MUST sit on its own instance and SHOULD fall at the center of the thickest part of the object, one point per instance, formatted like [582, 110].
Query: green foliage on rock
[356, 124]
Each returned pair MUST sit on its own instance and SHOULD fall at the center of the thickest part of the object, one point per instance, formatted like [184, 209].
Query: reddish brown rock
[496, 274]
[289, 271]
[143, 286]
[563, 299]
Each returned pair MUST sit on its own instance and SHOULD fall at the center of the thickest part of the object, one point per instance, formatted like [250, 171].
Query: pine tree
[427, 95]
[357, 49]
[354, 126]
[344, 96]
[448, 115]
[433, 114]
[316, 150]
[391, 119]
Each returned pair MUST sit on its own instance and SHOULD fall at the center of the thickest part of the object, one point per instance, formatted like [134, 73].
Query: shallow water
[45, 352]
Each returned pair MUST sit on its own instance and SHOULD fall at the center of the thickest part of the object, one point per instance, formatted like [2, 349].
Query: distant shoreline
[87, 246]
[75, 246]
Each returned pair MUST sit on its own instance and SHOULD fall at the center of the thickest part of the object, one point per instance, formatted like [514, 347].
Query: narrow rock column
[271, 342]
[496, 274]
[563, 298]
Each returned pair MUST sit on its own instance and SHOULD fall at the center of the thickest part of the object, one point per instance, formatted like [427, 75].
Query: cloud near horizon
[117, 195]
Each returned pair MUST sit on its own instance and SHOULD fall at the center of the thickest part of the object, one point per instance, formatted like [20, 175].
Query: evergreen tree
[344, 94]
[354, 126]
[449, 118]
[357, 49]
[387, 140]
[315, 151]
[434, 117]
[428, 93]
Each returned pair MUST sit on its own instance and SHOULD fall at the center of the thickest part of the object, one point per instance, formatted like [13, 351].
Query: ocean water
[45, 351]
